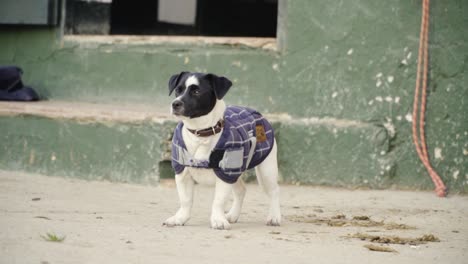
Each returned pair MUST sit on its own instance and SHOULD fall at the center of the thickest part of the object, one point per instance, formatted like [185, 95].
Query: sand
[104, 222]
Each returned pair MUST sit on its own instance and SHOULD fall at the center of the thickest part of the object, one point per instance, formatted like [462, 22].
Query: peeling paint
[236, 63]
[390, 78]
[350, 51]
[270, 99]
[438, 153]
[405, 60]
[390, 128]
[408, 56]
[32, 157]
[409, 117]
[455, 174]
[275, 67]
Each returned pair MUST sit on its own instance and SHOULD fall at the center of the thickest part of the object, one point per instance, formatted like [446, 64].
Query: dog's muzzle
[177, 107]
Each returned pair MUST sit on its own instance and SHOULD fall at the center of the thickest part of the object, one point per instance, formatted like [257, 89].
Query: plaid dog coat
[246, 140]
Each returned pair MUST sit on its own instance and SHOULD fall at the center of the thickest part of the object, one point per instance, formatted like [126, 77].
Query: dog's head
[196, 93]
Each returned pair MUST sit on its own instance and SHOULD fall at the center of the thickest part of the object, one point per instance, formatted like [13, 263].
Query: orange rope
[420, 143]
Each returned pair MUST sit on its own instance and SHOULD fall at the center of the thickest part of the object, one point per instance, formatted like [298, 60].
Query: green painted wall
[349, 60]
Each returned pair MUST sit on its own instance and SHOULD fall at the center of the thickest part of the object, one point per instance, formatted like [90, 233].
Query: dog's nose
[177, 104]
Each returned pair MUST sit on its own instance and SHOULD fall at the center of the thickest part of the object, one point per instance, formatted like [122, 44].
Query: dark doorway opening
[237, 18]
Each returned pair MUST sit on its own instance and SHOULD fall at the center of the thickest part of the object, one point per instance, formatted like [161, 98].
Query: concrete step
[86, 111]
[92, 141]
[131, 143]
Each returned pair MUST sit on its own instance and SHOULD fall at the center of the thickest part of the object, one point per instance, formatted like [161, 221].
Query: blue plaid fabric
[236, 140]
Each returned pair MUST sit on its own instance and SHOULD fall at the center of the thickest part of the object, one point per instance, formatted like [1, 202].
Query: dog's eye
[195, 91]
[179, 90]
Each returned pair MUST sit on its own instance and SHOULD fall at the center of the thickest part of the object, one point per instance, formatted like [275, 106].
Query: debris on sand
[379, 248]
[341, 220]
[340, 216]
[51, 237]
[392, 226]
[42, 217]
[361, 218]
[395, 239]
[337, 223]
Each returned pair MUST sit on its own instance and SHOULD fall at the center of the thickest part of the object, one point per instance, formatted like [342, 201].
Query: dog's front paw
[220, 223]
[274, 220]
[232, 217]
[175, 221]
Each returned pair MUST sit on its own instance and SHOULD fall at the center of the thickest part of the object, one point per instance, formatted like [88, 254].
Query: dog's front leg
[222, 191]
[185, 186]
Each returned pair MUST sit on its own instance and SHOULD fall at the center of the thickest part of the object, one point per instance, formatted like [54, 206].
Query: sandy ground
[121, 223]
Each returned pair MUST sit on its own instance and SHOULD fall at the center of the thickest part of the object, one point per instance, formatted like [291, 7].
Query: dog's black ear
[174, 81]
[220, 85]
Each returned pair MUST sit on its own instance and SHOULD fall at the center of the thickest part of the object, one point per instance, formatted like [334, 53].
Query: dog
[214, 144]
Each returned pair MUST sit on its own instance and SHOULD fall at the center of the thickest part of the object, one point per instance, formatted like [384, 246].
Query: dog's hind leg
[238, 191]
[267, 176]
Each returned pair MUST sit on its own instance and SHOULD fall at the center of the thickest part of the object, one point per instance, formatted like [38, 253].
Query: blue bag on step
[11, 86]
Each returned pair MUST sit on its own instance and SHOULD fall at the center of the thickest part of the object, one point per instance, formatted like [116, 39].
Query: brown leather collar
[208, 131]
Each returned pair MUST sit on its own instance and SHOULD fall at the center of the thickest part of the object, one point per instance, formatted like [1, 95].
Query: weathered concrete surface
[132, 144]
[347, 60]
[119, 223]
[84, 113]
[118, 152]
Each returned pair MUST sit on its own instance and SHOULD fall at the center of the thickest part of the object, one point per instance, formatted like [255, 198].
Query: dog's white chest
[202, 176]
[200, 149]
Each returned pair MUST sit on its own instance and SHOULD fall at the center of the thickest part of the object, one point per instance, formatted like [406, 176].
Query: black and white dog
[214, 144]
